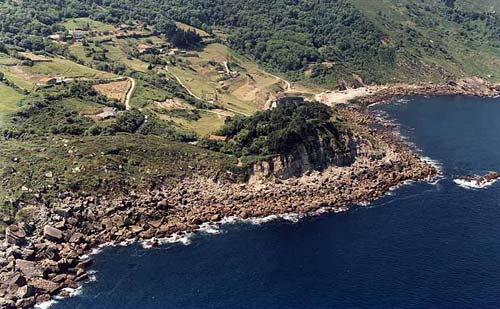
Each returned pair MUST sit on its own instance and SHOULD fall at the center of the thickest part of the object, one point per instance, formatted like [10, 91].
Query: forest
[321, 41]
[26, 25]
[277, 131]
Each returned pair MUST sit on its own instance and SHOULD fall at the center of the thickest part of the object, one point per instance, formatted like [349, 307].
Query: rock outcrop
[15, 235]
[52, 233]
[47, 256]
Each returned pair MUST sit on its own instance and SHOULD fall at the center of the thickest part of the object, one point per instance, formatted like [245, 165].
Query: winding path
[197, 97]
[182, 84]
[288, 85]
[130, 92]
[226, 66]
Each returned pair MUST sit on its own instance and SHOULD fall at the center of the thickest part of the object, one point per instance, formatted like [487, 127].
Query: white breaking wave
[183, 238]
[403, 101]
[71, 293]
[209, 228]
[435, 163]
[364, 204]
[229, 220]
[45, 305]
[92, 276]
[472, 184]
[257, 221]
[292, 217]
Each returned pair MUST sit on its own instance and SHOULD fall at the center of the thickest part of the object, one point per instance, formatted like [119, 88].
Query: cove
[424, 245]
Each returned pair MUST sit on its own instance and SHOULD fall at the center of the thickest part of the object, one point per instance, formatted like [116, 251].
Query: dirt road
[129, 93]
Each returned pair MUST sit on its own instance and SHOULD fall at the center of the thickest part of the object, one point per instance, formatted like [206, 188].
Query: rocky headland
[49, 255]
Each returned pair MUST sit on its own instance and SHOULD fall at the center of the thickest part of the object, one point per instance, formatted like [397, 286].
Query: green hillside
[322, 42]
[380, 41]
[436, 42]
[481, 5]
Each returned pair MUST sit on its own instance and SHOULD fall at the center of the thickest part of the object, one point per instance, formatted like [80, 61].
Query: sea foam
[472, 184]
[45, 305]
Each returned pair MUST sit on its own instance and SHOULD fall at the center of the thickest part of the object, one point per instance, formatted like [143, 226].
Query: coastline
[81, 224]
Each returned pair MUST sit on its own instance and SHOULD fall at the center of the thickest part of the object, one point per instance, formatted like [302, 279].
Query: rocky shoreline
[473, 86]
[41, 259]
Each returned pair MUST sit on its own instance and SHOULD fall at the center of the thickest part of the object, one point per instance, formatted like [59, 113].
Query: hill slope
[324, 42]
[381, 41]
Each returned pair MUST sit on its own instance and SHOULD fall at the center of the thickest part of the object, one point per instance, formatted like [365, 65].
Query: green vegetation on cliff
[303, 132]
[42, 168]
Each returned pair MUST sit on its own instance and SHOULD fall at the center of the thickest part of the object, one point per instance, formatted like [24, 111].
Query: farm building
[77, 34]
[47, 81]
[144, 48]
[107, 112]
[217, 138]
[55, 37]
[125, 27]
[287, 100]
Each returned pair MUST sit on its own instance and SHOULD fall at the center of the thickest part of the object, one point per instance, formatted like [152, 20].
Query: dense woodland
[287, 35]
[341, 39]
[279, 130]
[324, 41]
[26, 25]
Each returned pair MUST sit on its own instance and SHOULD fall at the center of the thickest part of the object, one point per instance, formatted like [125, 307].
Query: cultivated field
[205, 74]
[114, 90]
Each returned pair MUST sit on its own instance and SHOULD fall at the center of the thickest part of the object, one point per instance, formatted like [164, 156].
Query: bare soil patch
[114, 90]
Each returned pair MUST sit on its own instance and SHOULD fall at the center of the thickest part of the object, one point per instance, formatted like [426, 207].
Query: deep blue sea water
[424, 246]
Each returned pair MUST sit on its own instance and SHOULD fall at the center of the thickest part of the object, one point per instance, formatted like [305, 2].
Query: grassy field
[206, 125]
[7, 60]
[144, 94]
[86, 23]
[183, 26]
[80, 106]
[78, 50]
[115, 53]
[66, 68]
[245, 93]
[8, 102]
[20, 78]
[114, 90]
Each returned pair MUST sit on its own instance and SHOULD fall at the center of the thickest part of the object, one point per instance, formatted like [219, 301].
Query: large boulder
[76, 238]
[15, 235]
[6, 303]
[52, 233]
[45, 285]
[26, 303]
[17, 280]
[29, 269]
[25, 291]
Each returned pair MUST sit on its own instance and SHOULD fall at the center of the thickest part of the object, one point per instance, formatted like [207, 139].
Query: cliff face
[316, 154]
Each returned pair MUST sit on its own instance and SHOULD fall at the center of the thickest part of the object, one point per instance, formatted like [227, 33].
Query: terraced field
[245, 91]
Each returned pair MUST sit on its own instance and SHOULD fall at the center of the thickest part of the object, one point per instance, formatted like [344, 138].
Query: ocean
[423, 245]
